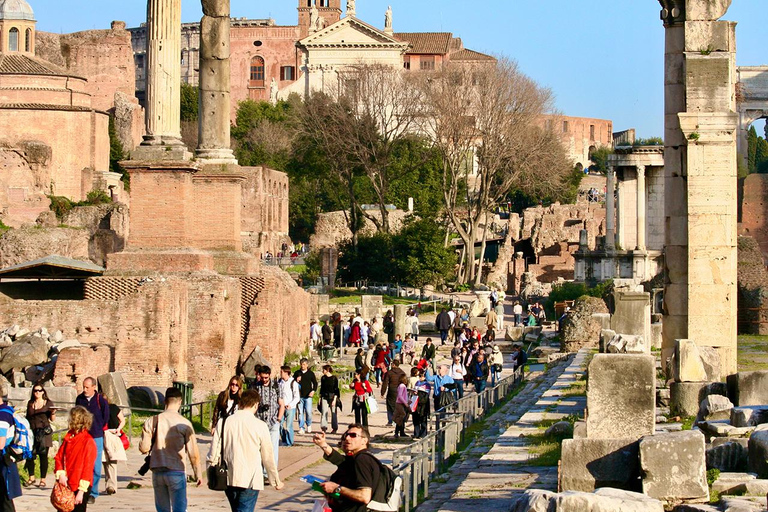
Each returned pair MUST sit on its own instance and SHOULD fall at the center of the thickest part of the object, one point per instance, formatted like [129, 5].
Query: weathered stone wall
[753, 288]
[754, 212]
[279, 321]
[170, 329]
[86, 233]
[580, 134]
[264, 209]
[332, 228]
[105, 58]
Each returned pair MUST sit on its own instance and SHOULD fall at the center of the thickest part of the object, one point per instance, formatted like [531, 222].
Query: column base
[156, 148]
[216, 156]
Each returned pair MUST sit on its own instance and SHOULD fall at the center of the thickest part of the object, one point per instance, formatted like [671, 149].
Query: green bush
[61, 205]
[572, 291]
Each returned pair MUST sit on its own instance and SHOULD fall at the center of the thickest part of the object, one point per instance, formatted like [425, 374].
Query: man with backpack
[98, 406]
[10, 482]
[361, 479]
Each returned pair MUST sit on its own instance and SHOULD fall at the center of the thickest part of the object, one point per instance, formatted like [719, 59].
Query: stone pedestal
[632, 314]
[621, 396]
[401, 317]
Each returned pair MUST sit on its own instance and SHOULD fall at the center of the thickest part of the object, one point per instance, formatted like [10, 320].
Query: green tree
[751, 149]
[117, 154]
[599, 158]
[190, 95]
[651, 141]
[761, 156]
[421, 255]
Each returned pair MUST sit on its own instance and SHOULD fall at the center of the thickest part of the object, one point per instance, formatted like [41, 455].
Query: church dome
[16, 10]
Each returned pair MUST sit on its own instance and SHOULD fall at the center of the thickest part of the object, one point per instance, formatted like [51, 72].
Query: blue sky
[602, 58]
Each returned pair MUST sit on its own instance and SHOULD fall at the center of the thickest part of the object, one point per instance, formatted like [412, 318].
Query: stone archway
[752, 102]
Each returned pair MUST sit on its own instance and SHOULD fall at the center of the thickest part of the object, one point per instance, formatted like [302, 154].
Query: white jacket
[247, 447]
[290, 390]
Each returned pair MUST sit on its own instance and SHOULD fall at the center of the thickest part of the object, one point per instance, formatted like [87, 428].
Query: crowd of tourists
[253, 418]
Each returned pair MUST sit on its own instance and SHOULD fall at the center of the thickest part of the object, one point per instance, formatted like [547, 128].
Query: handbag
[218, 474]
[62, 498]
[371, 405]
[124, 439]
[321, 505]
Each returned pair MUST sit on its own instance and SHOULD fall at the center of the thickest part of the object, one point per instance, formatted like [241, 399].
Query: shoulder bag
[218, 473]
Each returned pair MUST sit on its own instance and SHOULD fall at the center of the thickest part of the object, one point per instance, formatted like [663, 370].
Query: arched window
[257, 72]
[28, 40]
[13, 40]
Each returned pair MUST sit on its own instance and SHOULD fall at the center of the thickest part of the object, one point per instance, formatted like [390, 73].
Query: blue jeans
[494, 375]
[170, 490]
[274, 434]
[459, 389]
[287, 426]
[480, 385]
[242, 500]
[97, 466]
[443, 336]
[517, 320]
[305, 412]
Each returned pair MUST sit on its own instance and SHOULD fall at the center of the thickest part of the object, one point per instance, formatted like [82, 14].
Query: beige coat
[490, 319]
[175, 436]
[246, 444]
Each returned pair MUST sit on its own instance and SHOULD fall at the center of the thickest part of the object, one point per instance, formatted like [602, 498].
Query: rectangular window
[591, 132]
[565, 126]
[427, 62]
[407, 62]
[287, 73]
[140, 61]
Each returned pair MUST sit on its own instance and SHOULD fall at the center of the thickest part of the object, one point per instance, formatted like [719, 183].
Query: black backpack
[386, 496]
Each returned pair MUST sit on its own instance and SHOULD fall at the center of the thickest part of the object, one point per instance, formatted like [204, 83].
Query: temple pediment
[351, 33]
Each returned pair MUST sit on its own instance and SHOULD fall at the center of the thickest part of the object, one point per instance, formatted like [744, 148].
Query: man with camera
[271, 407]
[166, 437]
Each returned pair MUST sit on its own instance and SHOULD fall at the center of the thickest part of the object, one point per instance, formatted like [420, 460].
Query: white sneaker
[301, 431]
[309, 429]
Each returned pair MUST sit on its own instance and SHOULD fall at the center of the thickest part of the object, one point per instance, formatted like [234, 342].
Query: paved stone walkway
[494, 467]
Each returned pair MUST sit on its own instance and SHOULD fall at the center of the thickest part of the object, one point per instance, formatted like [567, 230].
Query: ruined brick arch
[752, 102]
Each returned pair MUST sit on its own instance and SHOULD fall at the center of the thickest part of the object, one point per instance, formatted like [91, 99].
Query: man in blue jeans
[168, 436]
[97, 405]
[307, 387]
[291, 399]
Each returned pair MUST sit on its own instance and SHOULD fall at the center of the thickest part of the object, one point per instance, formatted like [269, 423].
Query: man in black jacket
[428, 353]
[307, 387]
[389, 388]
[443, 324]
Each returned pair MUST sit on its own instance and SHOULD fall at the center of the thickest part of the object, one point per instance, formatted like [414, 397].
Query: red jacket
[361, 388]
[76, 457]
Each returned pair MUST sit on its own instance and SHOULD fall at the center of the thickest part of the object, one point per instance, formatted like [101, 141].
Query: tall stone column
[214, 143]
[610, 210]
[700, 178]
[163, 126]
[619, 219]
[640, 208]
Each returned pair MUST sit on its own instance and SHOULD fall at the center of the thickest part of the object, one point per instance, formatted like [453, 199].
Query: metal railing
[421, 460]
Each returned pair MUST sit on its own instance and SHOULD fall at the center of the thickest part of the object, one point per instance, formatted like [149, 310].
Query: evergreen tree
[761, 156]
[751, 149]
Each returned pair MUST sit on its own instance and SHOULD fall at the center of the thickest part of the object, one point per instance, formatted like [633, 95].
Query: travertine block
[674, 466]
[748, 388]
[688, 365]
[705, 36]
[706, 10]
[216, 8]
[214, 38]
[587, 464]
[621, 396]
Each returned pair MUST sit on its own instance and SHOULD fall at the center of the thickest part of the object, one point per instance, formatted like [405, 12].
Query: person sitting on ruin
[490, 335]
[227, 401]
[409, 349]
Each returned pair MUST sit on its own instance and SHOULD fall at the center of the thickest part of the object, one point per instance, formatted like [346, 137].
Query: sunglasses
[351, 434]
[37, 390]
[235, 384]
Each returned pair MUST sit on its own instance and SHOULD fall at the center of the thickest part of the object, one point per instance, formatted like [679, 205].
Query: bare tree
[486, 122]
[374, 107]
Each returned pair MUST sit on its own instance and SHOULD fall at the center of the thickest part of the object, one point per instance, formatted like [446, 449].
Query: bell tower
[328, 10]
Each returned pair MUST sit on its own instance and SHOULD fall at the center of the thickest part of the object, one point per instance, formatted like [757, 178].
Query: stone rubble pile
[29, 357]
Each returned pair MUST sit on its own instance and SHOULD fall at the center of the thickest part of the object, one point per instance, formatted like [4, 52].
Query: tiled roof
[22, 64]
[436, 43]
[470, 55]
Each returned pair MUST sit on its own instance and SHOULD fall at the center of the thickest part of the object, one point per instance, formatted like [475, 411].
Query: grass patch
[577, 388]
[351, 296]
[299, 269]
[688, 422]
[546, 450]
[3, 227]
[752, 352]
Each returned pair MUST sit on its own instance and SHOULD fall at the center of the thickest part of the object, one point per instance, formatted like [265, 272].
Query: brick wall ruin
[105, 58]
[264, 209]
